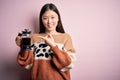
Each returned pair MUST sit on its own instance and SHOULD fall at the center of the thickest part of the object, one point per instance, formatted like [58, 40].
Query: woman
[51, 54]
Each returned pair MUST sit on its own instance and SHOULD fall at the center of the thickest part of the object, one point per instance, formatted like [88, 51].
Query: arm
[64, 59]
[61, 59]
[25, 57]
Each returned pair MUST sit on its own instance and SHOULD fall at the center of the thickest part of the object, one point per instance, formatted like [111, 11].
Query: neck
[51, 32]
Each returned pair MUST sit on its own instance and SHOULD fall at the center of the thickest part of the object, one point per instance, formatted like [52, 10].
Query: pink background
[94, 26]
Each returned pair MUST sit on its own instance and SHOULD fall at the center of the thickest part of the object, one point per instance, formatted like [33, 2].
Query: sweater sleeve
[25, 58]
[64, 59]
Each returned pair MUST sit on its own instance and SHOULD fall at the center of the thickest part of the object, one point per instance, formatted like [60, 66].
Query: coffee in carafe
[26, 40]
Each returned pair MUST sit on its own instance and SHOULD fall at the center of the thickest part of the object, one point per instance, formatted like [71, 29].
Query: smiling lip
[50, 26]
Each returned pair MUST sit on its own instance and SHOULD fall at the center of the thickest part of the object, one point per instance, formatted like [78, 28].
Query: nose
[49, 21]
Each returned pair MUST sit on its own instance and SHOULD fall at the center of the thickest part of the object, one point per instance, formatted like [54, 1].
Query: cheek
[56, 21]
[44, 22]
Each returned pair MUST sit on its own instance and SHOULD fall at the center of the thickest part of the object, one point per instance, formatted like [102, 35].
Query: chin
[51, 29]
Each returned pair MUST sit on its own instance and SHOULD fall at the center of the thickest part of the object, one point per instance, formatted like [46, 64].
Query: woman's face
[50, 20]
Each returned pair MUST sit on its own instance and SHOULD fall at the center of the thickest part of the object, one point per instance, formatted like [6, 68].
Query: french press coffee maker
[26, 40]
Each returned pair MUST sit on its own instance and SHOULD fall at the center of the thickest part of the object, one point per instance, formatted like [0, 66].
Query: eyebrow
[47, 16]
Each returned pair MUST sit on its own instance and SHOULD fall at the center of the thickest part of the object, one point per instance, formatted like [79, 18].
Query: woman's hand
[18, 40]
[49, 40]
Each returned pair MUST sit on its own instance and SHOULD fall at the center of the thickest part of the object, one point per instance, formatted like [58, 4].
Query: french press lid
[26, 32]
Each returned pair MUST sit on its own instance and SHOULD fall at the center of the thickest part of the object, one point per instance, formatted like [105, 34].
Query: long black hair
[50, 6]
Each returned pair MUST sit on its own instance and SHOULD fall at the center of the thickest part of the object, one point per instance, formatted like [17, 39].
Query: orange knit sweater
[48, 63]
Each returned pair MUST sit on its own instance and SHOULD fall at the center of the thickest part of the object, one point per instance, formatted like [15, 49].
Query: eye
[44, 18]
[52, 17]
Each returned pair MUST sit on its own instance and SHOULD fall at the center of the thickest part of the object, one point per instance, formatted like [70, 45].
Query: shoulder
[66, 35]
[61, 36]
[36, 35]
